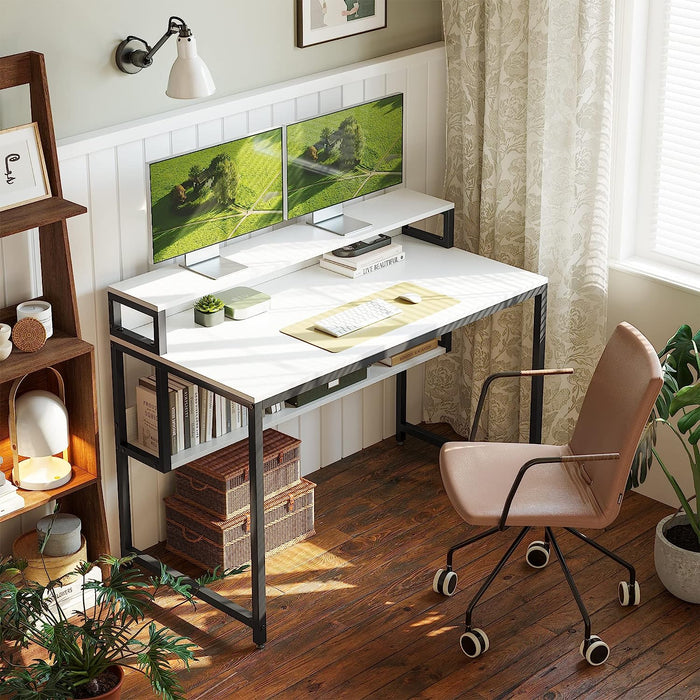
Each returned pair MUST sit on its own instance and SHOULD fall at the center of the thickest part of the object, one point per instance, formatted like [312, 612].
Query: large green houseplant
[82, 651]
[678, 409]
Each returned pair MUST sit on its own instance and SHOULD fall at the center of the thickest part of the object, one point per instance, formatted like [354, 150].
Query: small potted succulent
[677, 545]
[84, 655]
[209, 311]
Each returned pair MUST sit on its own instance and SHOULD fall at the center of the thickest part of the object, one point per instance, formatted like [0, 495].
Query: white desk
[254, 364]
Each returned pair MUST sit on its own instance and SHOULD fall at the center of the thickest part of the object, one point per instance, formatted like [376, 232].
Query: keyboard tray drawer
[320, 391]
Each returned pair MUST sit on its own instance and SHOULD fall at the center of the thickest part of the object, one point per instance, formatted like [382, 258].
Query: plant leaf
[154, 663]
[680, 354]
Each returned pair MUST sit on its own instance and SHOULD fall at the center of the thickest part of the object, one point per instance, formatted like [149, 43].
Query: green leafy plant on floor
[680, 396]
[82, 648]
[209, 304]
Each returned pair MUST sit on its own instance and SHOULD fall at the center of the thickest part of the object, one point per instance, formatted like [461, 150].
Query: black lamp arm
[176, 25]
[143, 59]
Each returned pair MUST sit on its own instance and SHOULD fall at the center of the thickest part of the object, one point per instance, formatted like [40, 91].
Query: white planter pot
[678, 569]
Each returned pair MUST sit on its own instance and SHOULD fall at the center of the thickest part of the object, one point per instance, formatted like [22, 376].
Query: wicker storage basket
[289, 518]
[219, 482]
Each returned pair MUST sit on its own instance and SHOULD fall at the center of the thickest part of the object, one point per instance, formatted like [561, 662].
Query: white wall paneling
[106, 171]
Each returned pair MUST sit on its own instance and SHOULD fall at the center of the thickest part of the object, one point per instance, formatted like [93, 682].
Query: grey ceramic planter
[209, 319]
[678, 569]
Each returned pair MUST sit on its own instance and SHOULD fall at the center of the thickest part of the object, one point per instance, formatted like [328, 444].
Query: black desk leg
[538, 343]
[401, 407]
[257, 523]
[123, 495]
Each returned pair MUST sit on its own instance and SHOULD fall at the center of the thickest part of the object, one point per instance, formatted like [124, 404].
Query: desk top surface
[254, 361]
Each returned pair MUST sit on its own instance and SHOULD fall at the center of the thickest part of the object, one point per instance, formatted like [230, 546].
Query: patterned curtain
[528, 160]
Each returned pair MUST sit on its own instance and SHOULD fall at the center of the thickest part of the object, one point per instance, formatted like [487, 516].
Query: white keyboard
[359, 316]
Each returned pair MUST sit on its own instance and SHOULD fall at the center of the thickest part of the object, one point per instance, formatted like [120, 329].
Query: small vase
[213, 319]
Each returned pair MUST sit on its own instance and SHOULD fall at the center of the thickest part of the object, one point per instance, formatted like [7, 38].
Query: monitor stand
[332, 219]
[208, 263]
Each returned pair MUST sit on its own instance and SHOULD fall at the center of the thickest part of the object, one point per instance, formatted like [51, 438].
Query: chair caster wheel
[474, 642]
[628, 594]
[537, 554]
[445, 582]
[594, 650]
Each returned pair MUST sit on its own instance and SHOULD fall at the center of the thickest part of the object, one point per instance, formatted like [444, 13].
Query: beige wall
[657, 309]
[246, 44]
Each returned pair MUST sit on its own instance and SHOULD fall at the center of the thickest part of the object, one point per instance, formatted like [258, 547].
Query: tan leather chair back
[615, 410]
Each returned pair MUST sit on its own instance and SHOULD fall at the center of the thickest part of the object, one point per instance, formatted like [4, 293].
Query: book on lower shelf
[410, 353]
[196, 414]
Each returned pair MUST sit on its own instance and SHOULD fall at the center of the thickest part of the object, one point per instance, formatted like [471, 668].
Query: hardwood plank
[665, 680]
[351, 612]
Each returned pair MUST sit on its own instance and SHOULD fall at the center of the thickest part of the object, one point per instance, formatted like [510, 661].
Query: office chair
[578, 485]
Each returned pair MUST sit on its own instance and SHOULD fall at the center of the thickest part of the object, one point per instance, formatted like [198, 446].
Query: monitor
[209, 196]
[336, 157]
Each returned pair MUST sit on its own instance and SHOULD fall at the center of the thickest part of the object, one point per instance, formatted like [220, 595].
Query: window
[656, 194]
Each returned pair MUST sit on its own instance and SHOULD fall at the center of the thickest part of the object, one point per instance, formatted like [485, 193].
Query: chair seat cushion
[478, 476]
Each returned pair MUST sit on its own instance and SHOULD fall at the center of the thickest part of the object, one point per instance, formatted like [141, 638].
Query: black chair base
[474, 641]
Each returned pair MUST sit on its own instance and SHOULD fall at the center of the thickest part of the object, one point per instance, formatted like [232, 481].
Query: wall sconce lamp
[38, 423]
[189, 76]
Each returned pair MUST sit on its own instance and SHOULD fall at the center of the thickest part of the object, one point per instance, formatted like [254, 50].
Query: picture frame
[320, 21]
[23, 176]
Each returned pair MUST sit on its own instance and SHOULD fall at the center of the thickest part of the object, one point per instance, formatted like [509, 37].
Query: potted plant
[209, 311]
[677, 545]
[86, 654]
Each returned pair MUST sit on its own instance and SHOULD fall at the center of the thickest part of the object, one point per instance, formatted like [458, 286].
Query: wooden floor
[351, 613]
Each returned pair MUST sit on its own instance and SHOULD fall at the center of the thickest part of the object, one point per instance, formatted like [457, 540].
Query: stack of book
[70, 597]
[374, 260]
[9, 498]
[196, 414]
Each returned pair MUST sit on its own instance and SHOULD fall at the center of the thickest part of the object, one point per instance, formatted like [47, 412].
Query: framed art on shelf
[23, 176]
[319, 21]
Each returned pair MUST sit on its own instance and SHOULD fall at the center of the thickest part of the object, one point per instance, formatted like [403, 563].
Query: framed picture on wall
[23, 176]
[319, 21]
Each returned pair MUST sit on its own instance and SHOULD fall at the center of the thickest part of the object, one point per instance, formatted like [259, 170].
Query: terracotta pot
[116, 692]
[678, 568]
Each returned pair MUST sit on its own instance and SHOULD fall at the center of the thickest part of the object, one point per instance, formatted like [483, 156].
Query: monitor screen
[339, 156]
[215, 194]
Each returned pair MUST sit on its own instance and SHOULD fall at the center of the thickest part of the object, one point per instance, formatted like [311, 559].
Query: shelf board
[39, 213]
[34, 499]
[375, 373]
[58, 349]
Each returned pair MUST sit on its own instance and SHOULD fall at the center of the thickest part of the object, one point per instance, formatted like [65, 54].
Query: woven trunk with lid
[289, 518]
[219, 482]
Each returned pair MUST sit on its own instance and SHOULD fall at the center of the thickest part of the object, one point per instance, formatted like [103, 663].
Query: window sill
[669, 275]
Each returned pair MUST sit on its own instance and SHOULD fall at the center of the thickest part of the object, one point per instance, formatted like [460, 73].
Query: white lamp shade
[189, 76]
[42, 424]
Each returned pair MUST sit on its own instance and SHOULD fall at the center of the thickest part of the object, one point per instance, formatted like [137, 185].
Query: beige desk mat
[430, 303]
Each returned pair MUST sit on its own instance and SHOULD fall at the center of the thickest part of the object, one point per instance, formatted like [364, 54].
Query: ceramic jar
[5, 342]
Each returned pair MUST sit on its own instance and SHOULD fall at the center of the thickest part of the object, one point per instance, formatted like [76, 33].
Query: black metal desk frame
[126, 342]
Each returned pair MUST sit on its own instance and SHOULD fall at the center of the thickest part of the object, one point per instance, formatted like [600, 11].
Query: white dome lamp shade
[189, 77]
[38, 423]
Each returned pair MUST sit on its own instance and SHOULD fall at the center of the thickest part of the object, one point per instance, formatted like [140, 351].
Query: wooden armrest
[563, 459]
[501, 375]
